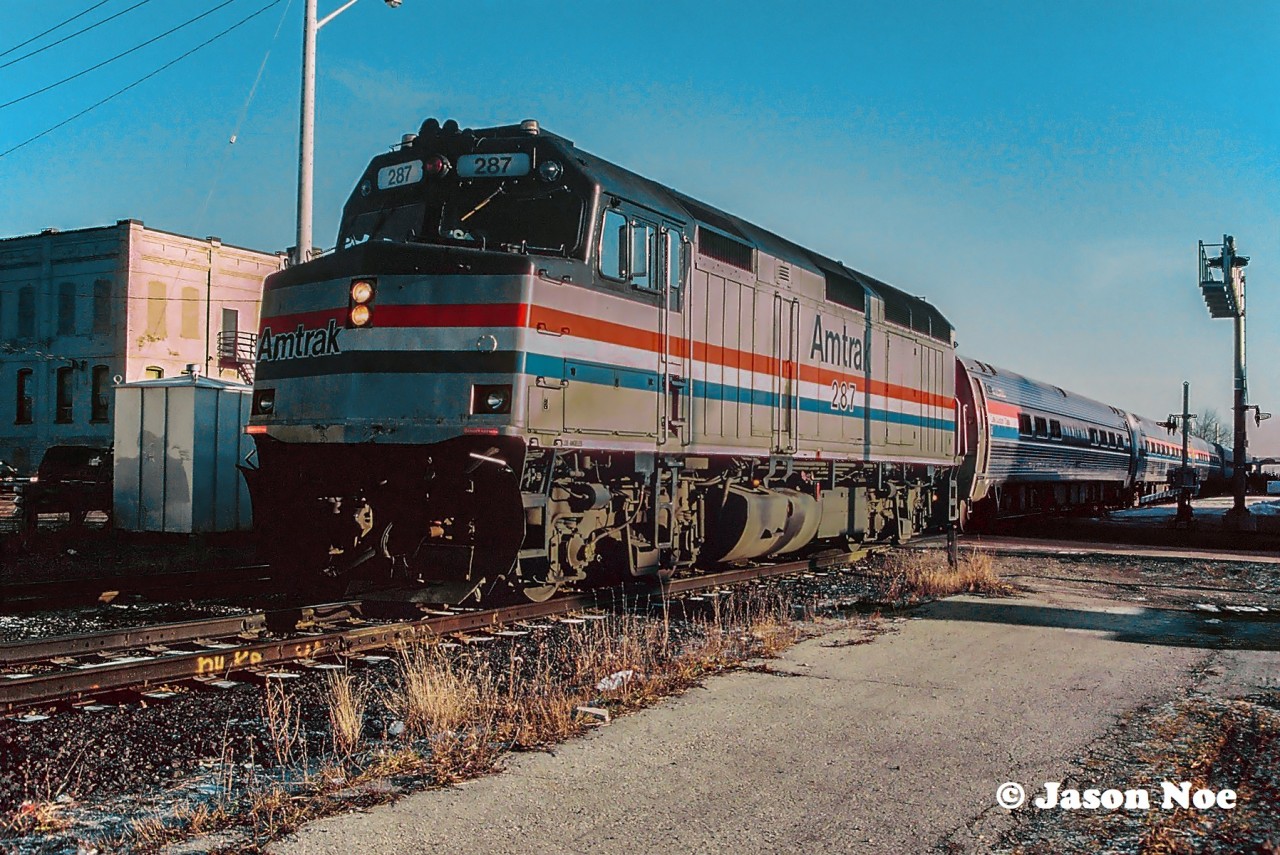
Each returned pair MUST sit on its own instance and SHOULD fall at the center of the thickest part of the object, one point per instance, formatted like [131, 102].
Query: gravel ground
[1211, 742]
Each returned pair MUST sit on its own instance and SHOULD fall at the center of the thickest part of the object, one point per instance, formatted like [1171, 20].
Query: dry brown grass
[434, 695]
[36, 817]
[283, 717]
[915, 574]
[274, 811]
[347, 704]
[200, 818]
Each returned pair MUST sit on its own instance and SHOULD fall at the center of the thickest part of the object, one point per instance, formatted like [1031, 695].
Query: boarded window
[24, 409]
[27, 312]
[67, 308]
[157, 302]
[102, 306]
[64, 412]
[101, 402]
[190, 313]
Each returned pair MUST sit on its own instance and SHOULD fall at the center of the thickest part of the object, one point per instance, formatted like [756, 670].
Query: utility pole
[1225, 299]
[307, 129]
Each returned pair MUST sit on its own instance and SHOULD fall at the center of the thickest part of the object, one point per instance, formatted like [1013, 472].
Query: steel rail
[71, 685]
[36, 650]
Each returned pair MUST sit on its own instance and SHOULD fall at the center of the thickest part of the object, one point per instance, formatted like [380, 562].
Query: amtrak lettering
[836, 348]
[299, 344]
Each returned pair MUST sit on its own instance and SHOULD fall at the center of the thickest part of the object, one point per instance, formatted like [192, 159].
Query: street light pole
[307, 131]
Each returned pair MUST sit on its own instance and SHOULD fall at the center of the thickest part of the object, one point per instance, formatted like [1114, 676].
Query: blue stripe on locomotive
[644, 380]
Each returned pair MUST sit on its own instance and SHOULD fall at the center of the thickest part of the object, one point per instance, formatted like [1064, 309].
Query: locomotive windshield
[523, 214]
[516, 215]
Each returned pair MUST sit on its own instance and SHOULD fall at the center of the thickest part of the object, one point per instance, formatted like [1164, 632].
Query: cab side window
[641, 258]
[612, 239]
[647, 254]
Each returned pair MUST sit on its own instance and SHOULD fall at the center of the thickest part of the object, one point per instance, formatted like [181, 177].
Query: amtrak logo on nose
[302, 343]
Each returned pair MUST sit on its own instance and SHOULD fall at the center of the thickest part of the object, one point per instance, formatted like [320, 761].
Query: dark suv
[72, 479]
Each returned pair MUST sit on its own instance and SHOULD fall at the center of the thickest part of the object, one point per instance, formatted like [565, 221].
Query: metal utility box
[177, 443]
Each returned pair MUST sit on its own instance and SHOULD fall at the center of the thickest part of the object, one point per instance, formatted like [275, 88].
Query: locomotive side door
[675, 387]
[786, 379]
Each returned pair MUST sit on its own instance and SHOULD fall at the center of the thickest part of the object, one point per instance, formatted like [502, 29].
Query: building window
[101, 402]
[190, 313]
[157, 302]
[102, 306]
[67, 308]
[64, 413]
[27, 312]
[24, 408]
[154, 372]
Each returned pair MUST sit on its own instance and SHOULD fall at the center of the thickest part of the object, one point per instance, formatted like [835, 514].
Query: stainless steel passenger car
[1029, 447]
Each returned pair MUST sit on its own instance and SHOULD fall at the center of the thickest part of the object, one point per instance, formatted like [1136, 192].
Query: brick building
[82, 309]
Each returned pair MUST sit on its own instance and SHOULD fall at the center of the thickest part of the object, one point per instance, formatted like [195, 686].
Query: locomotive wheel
[536, 581]
[540, 593]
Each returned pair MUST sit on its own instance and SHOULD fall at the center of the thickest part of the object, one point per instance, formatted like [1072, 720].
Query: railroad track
[79, 667]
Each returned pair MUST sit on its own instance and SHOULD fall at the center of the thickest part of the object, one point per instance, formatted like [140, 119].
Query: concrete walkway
[892, 746]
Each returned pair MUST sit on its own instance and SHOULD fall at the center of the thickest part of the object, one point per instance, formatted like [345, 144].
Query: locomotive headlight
[264, 402]
[550, 170]
[360, 305]
[490, 399]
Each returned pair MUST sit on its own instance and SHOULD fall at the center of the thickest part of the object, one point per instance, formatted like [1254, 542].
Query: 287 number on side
[844, 396]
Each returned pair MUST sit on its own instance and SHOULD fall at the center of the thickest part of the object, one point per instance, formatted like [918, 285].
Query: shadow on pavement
[1130, 624]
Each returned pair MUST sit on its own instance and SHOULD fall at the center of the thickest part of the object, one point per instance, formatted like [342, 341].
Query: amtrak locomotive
[525, 367]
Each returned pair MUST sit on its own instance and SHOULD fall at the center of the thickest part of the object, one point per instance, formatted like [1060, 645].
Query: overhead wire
[121, 55]
[141, 80]
[69, 37]
[240, 120]
[56, 27]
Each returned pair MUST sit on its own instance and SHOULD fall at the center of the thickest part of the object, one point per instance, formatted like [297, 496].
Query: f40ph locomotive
[524, 366]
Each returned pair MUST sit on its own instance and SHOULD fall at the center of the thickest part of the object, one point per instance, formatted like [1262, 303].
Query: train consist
[525, 367]
[1027, 447]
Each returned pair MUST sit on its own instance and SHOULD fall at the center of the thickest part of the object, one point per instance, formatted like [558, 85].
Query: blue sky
[1040, 171]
